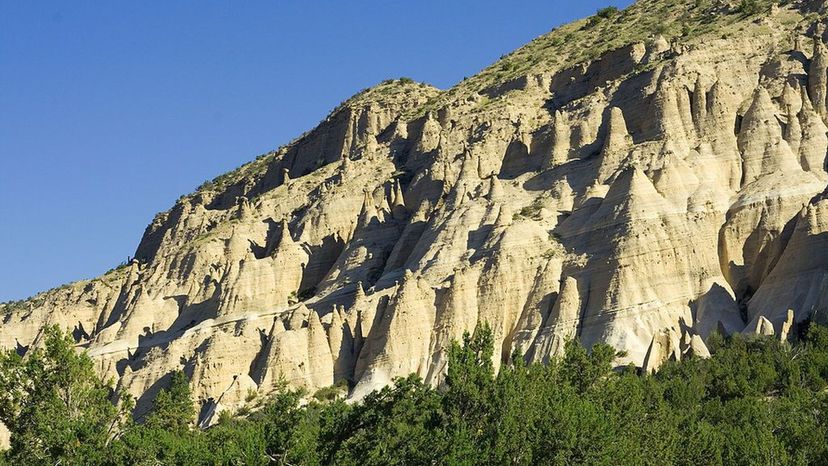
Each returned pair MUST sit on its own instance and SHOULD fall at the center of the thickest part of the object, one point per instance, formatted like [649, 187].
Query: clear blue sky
[110, 110]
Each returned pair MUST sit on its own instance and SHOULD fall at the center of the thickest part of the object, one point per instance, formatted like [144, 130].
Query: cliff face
[602, 182]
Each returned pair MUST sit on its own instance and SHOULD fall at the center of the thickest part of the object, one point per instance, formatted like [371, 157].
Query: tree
[518, 397]
[165, 437]
[289, 433]
[173, 410]
[583, 369]
[57, 408]
[755, 401]
[468, 396]
[396, 425]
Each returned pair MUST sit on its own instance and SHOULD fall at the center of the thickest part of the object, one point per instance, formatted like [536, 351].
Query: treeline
[756, 401]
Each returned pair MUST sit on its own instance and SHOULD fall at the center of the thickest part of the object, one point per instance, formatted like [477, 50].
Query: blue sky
[110, 110]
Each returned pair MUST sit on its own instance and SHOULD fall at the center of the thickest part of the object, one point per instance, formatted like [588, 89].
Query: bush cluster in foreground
[756, 401]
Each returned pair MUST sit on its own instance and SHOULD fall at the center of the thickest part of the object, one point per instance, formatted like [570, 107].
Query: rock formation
[600, 183]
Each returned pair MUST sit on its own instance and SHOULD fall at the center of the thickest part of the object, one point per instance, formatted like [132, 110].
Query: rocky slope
[640, 178]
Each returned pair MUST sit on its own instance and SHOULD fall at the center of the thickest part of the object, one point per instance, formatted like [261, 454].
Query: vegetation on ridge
[610, 29]
[563, 47]
[756, 401]
[380, 93]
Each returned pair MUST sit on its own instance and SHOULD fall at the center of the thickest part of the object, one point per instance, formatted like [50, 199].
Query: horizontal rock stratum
[641, 178]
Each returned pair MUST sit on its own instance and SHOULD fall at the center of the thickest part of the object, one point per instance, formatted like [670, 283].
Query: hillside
[755, 400]
[639, 178]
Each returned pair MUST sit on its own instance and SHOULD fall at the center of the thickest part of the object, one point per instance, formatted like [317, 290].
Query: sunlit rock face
[642, 194]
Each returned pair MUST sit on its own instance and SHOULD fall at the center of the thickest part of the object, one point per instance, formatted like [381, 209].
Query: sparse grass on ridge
[609, 29]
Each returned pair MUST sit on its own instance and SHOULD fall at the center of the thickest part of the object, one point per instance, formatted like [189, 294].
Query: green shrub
[607, 12]
[751, 7]
[173, 407]
[251, 395]
[328, 393]
[601, 15]
[532, 211]
[58, 410]
[755, 401]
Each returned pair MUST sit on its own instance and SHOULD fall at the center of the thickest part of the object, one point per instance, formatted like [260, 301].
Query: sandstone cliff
[641, 179]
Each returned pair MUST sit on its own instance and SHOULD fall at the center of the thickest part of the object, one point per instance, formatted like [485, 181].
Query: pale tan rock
[658, 46]
[560, 140]
[616, 144]
[299, 318]
[784, 332]
[663, 347]
[760, 140]
[320, 361]
[793, 130]
[698, 348]
[699, 104]
[495, 193]
[561, 323]
[668, 115]
[399, 342]
[457, 312]
[399, 210]
[341, 339]
[817, 78]
[798, 280]
[764, 327]
[623, 198]
[813, 142]
[369, 210]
